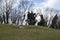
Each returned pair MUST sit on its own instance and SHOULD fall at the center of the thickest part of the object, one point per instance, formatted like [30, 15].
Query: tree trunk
[7, 16]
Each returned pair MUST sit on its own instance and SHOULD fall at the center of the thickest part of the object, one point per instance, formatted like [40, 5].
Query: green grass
[9, 32]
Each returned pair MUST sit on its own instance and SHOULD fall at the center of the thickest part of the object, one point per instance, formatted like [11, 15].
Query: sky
[43, 4]
[47, 3]
[55, 4]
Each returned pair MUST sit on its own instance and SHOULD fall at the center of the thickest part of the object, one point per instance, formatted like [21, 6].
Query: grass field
[9, 32]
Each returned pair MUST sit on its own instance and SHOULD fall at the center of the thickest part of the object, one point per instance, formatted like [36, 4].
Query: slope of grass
[9, 32]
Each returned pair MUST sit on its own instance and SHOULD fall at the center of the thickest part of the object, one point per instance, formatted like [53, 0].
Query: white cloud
[55, 4]
[49, 3]
[16, 3]
[46, 3]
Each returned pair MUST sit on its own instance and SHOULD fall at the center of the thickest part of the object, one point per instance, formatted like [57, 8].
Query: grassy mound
[9, 32]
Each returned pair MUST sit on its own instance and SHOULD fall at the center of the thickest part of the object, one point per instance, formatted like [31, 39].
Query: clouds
[57, 5]
[16, 3]
[42, 3]
[49, 3]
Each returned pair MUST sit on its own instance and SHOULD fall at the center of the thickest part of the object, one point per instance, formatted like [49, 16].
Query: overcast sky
[47, 3]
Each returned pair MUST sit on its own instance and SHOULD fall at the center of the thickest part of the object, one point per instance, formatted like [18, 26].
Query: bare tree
[22, 7]
[8, 4]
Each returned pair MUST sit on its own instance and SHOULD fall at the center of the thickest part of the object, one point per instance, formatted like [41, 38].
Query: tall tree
[9, 4]
[21, 8]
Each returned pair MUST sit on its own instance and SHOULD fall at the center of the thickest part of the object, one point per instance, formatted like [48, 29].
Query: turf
[9, 32]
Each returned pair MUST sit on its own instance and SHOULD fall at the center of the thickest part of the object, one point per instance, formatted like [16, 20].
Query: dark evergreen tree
[31, 18]
[42, 22]
[54, 22]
